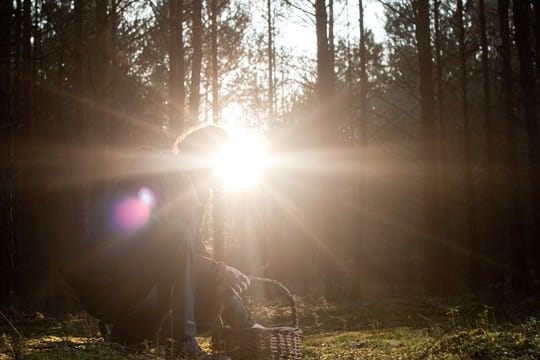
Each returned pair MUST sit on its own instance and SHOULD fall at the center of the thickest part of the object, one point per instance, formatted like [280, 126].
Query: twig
[12, 326]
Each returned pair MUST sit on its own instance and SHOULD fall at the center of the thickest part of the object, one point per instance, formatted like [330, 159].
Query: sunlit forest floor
[363, 330]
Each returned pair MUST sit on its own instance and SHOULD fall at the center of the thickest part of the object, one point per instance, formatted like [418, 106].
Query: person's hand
[234, 279]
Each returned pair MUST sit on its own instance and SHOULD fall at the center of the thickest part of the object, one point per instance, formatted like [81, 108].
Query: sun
[242, 162]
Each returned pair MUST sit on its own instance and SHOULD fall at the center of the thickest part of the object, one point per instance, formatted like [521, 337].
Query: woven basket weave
[282, 342]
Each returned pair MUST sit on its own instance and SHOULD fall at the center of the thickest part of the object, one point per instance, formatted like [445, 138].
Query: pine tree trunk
[324, 69]
[537, 58]
[513, 178]
[492, 240]
[442, 171]
[331, 40]
[214, 62]
[536, 4]
[176, 68]
[271, 87]
[522, 23]
[436, 256]
[363, 78]
[196, 63]
[28, 109]
[361, 197]
[6, 125]
[101, 115]
[473, 245]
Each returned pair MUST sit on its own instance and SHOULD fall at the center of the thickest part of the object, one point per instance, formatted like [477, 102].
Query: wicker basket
[282, 342]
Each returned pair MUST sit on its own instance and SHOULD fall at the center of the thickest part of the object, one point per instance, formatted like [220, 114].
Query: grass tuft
[379, 330]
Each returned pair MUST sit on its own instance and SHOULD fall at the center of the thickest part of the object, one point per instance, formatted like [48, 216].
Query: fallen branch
[19, 334]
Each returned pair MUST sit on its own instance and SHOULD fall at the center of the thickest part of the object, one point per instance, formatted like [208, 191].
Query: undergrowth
[362, 330]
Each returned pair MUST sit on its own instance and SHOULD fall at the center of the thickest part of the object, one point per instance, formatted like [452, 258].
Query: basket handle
[286, 293]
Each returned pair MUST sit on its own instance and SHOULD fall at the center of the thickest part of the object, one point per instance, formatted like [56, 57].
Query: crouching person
[143, 271]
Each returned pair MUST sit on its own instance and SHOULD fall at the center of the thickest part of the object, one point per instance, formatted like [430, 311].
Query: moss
[382, 330]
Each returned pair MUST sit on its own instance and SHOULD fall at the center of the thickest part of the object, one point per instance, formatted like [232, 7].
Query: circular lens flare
[146, 196]
[131, 213]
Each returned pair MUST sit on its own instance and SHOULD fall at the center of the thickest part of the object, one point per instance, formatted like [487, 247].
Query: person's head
[197, 152]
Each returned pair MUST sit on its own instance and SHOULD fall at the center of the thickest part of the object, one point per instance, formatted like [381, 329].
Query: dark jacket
[117, 268]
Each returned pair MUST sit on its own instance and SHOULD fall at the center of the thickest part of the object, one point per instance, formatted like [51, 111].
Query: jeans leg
[235, 313]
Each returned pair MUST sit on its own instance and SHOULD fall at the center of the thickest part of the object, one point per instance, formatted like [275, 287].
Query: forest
[396, 146]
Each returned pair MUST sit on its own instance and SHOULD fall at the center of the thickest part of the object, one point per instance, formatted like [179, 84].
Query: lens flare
[132, 213]
[241, 163]
[146, 196]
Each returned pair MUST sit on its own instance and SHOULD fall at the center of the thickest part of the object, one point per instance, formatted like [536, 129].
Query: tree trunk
[24, 245]
[536, 4]
[214, 62]
[513, 174]
[6, 10]
[536, 210]
[323, 138]
[78, 65]
[115, 129]
[324, 61]
[437, 279]
[473, 245]
[362, 127]
[176, 68]
[101, 115]
[196, 62]
[522, 23]
[27, 71]
[442, 171]
[331, 40]
[363, 78]
[492, 240]
[271, 86]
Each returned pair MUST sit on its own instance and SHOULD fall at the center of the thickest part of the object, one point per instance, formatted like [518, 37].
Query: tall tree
[513, 180]
[214, 60]
[324, 70]
[331, 37]
[443, 171]
[437, 280]
[101, 115]
[176, 68]
[27, 74]
[6, 126]
[522, 23]
[196, 62]
[363, 77]
[271, 59]
[492, 241]
[536, 4]
[470, 196]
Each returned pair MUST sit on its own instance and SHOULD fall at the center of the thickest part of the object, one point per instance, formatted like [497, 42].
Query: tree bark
[492, 240]
[522, 23]
[101, 115]
[27, 71]
[324, 61]
[6, 205]
[363, 77]
[473, 245]
[437, 279]
[216, 112]
[513, 176]
[331, 40]
[176, 68]
[196, 63]
[536, 4]
[271, 86]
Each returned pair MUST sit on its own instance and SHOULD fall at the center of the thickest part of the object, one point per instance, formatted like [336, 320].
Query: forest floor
[363, 330]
